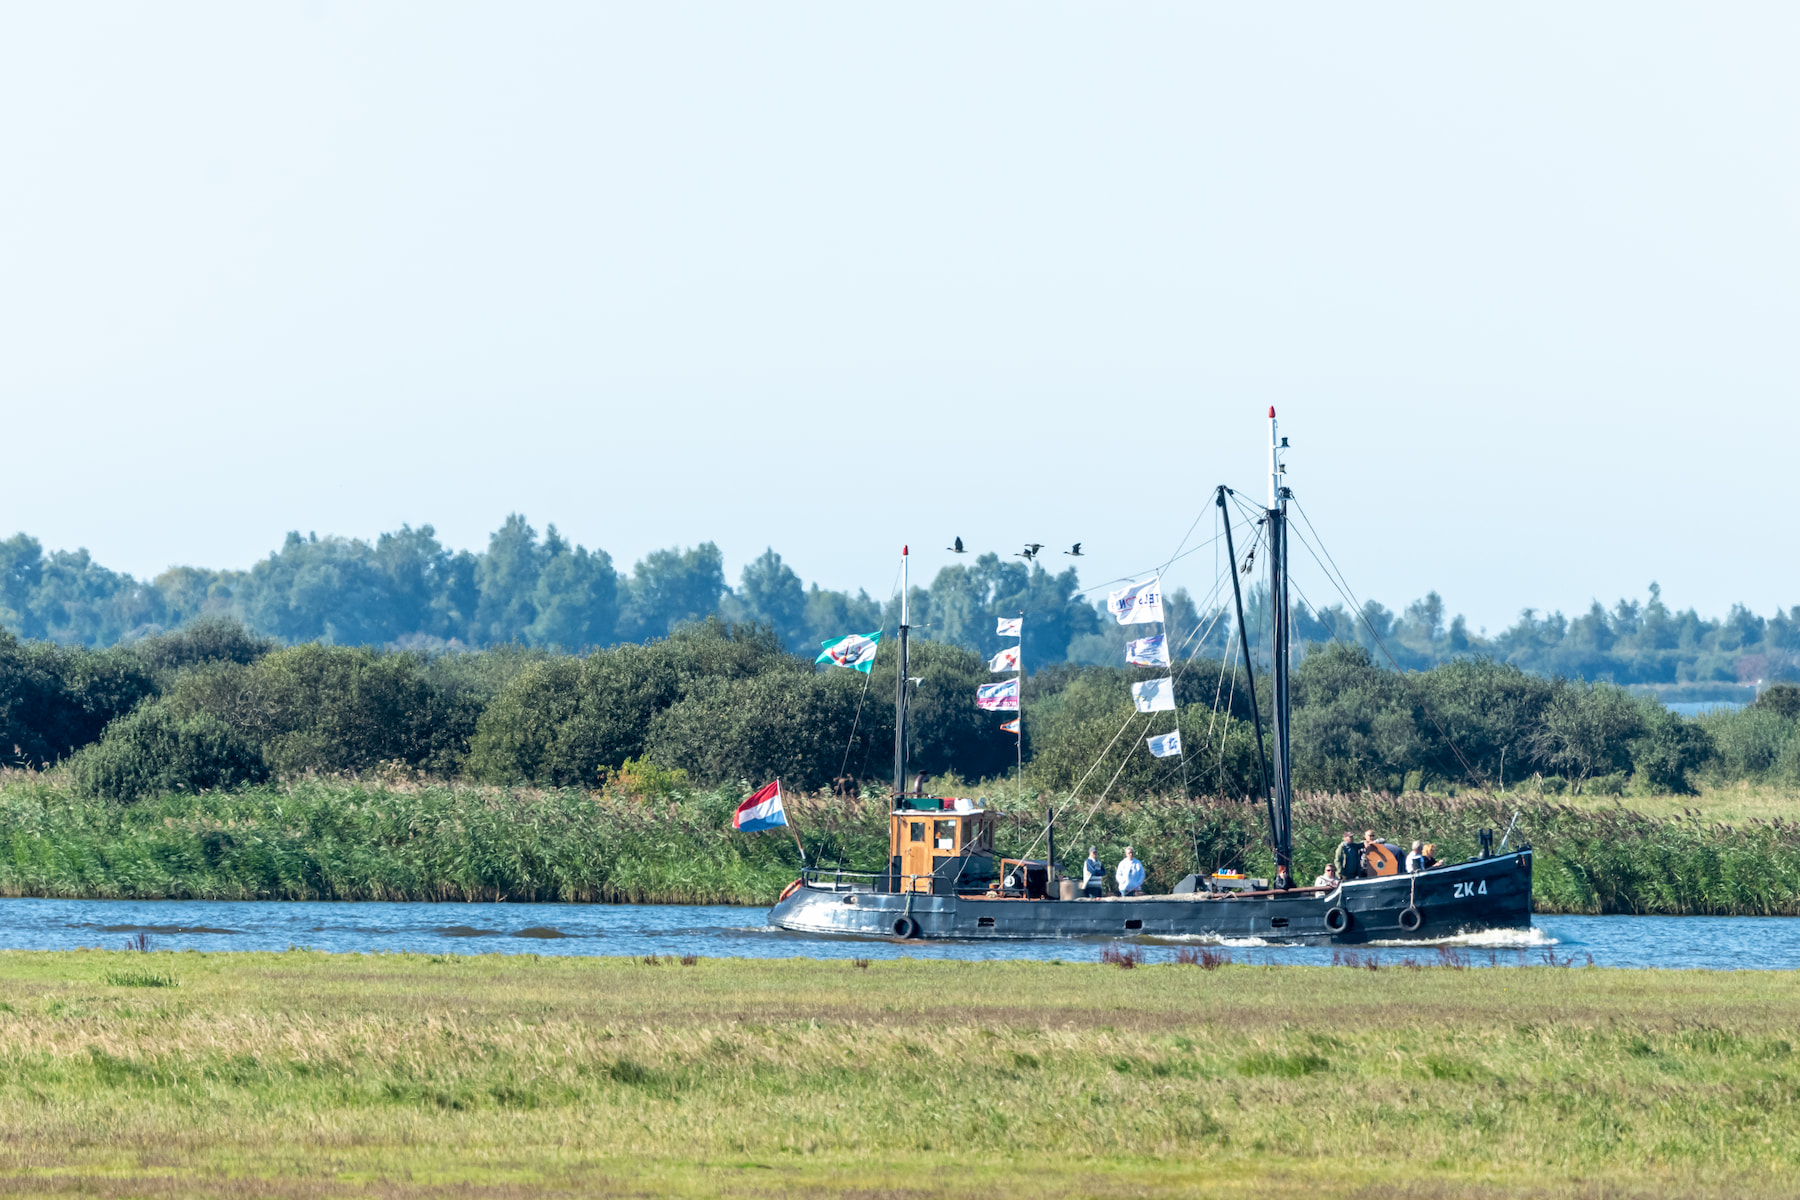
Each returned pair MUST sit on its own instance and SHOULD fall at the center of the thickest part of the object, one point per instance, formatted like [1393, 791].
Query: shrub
[56, 699]
[790, 724]
[560, 722]
[645, 778]
[332, 708]
[152, 751]
[1747, 743]
[724, 703]
[1669, 750]
[207, 640]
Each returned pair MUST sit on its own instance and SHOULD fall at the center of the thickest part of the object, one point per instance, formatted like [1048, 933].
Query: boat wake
[1486, 939]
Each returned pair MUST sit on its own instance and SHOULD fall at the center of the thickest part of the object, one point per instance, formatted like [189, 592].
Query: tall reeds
[342, 840]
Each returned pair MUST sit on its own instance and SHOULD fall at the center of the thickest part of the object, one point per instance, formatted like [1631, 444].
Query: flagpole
[1019, 733]
[794, 828]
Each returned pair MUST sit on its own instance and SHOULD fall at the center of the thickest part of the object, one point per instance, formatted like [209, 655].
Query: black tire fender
[1337, 918]
[905, 927]
[1411, 918]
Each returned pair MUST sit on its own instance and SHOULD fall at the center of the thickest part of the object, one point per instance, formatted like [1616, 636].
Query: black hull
[1482, 894]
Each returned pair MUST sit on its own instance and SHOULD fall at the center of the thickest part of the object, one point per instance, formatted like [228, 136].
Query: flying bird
[1030, 550]
[956, 549]
[1074, 550]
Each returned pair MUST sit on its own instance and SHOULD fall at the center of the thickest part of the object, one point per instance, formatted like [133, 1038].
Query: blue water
[1699, 708]
[1716, 943]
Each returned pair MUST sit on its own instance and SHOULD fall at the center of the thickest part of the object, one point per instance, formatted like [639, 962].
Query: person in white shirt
[1415, 859]
[1093, 874]
[1130, 875]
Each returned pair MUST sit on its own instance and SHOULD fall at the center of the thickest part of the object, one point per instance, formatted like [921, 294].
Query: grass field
[1732, 802]
[309, 1075]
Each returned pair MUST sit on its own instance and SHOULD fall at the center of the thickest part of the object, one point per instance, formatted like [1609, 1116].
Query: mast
[1237, 600]
[900, 694]
[1282, 795]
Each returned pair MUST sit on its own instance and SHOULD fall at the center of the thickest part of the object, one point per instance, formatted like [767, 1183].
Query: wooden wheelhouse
[940, 846]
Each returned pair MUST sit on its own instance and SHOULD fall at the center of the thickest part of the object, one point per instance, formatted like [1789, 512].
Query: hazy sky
[832, 278]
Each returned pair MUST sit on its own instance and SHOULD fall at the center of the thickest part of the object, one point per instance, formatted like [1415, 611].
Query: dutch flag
[761, 811]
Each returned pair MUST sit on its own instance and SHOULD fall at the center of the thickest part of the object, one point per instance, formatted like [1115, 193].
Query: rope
[868, 678]
[1344, 589]
[1199, 630]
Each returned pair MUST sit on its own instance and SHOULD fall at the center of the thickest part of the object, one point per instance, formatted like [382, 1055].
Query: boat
[944, 879]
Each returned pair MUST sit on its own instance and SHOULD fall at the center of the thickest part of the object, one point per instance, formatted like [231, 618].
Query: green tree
[1587, 730]
[577, 597]
[669, 588]
[769, 593]
[151, 751]
[332, 708]
[1354, 724]
[560, 721]
[507, 580]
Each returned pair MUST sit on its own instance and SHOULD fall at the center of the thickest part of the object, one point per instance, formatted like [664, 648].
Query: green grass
[305, 1074]
[1735, 803]
[374, 840]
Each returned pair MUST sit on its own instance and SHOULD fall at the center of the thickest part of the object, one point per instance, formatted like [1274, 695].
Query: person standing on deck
[1349, 859]
[1130, 875]
[1370, 858]
[1093, 875]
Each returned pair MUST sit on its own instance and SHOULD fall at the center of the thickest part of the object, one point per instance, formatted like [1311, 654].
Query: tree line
[407, 590]
[216, 705]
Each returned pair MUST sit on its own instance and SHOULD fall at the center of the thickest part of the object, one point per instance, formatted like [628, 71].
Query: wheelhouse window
[918, 831]
[945, 835]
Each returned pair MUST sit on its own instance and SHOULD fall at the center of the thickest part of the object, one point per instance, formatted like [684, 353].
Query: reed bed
[314, 1075]
[423, 840]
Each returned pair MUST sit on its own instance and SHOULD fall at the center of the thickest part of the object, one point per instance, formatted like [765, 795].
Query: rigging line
[1478, 776]
[868, 678]
[1130, 578]
[1218, 690]
[1311, 607]
[1183, 543]
[1218, 584]
[1230, 700]
[1076, 791]
[1123, 762]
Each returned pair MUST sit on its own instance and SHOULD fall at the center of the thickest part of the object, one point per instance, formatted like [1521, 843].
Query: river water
[1713, 943]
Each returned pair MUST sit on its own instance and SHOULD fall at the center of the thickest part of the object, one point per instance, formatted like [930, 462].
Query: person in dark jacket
[1348, 859]
[1093, 874]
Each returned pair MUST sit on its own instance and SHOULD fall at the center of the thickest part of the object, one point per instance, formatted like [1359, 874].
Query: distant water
[1717, 943]
[1699, 708]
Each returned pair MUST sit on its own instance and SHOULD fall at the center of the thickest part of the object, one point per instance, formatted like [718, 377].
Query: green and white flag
[853, 650]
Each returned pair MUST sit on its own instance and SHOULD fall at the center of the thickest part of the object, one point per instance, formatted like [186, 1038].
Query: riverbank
[317, 1075]
[422, 840]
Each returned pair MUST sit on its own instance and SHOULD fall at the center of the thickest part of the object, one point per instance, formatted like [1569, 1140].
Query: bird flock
[1029, 553]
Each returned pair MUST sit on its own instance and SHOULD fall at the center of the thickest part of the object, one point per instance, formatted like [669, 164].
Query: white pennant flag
[1165, 745]
[1148, 652]
[1154, 695]
[1011, 626]
[1011, 726]
[998, 697]
[1006, 660]
[1138, 604]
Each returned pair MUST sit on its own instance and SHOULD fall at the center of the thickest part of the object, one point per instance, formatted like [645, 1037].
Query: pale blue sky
[831, 278]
